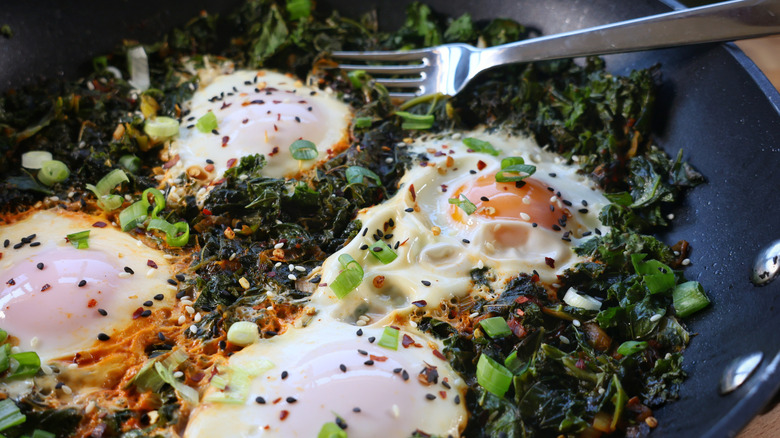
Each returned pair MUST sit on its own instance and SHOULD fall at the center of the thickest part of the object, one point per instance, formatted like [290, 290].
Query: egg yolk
[530, 200]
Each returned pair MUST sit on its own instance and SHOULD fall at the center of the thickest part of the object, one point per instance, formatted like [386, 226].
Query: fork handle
[728, 21]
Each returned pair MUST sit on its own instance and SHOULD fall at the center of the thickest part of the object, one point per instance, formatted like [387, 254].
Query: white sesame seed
[474, 315]
[389, 160]
[277, 264]
[244, 282]
[123, 275]
[412, 323]
[279, 245]
[168, 256]
[185, 302]
[655, 317]
[54, 198]
[194, 328]
[47, 369]
[526, 200]
[686, 262]
[243, 176]
[90, 407]
[16, 350]
[233, 256]
[668, 356]
[71, 194]
[480, 264]
[300, 269]
[278, 222]
[553, 199]
[190, 310]
[364, 318]
[34, 342]
[360, 323]
[292, 277]
[73, 366]
[677, 253]
[564, 339]
[555, 285]
[524, 216]
[198, 317]
[456, 136]
[150, 272]
[182, 319]
[396, 411]
[575, 158]
[576, 323]
[601, 390]
[172, 287]
[66, 389]
[128, 198]
[670, 216]
[178, 374]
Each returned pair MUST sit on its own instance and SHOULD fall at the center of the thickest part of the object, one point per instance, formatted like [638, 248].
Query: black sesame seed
[558, 194]
[291, 400]
[18, 245]
[103, 337]
[259, 400]
[430, 396]
[365, 230]
[405, 375]
[363, 352]
[597, 231]
[364, 247]
[103, 312]
[39, 266]
[160, 336]
[359, 332]
[397, 370]
[556, 227]
[208, 161]
[552, 175]
[29, 238]
[409, 210]
[180, 277]
[297, 119]
[398, 243]
[6, 243]
[445, 384]
[379, 233]
[309, 109]
[222, 345]
[550, 189]
[457, 399]
[583, 210]
[377, 249]
[343, 368]
[391, 222]
[180, 294]
[534, 225]
[190, 126]
[425, 282]
[586, 234]
[82, 283]
[388, 236]
[369, 362]
[159, 297]
[566, 239]
[466, 241]
[215, 132]
[59, 385]
[285, 374]
[552, 207]
[473, 172]
[172, 282]
[371, 339]
[567, 203]
[356, 410]
[484, 199]
[129, 271]
[584, 203]
[146, 313]
[35, 244]
[45, 287]
[148, 303]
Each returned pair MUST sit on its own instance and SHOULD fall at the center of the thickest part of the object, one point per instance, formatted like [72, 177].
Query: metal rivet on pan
[738, 371]
[766, 265]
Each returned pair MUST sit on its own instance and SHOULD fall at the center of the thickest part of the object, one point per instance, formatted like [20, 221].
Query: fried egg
[58, 300]
[257, 112]
[527, 227]
[333, 372]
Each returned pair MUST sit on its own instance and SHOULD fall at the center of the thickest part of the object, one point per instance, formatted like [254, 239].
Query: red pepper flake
[278, 118]
[231, 162]
[550, 262]
[580, 364]
[172, 162]
[277, 400]
[517, 328]
[99, 224]
[225, 105]
[413, 192]
[218, 182]
[151, 264]
[45, 287]
[423, 163]
[276, 128]
[273, 274]
[206, 212]
[138, 312]
[10, 282]
[245, 121]
[407, 341]
[522, 299]
[443, 394]
[438, 354]
[274, 151]
[283, 415]
[481, 164]
[377, 358]
[225, 141]
[92, 303]
[420, 303]
[209, 168]
[1, 256]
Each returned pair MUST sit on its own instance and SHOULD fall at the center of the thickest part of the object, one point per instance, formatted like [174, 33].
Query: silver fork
[448, 68]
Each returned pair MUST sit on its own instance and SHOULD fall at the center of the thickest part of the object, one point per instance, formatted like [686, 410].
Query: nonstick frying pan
[713, 103]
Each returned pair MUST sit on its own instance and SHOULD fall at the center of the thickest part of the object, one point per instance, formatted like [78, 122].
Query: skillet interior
[725, 117]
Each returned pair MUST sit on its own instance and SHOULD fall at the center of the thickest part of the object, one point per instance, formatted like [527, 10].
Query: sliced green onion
[52, 172]
[102, 190]
[357, 78]
[332, 430]
[362, 122]
[243, 333]
[492, 376]
[355, 175]
[467, 206]
[162, 127]
[298, 8]
[303, 150]
[10, 415]
[513, 363]
[138, 64]
[618, 400]
[186, 393]
[3, 335]
[495, 327]
[415, 121]
[5, 357]
[575, 299]
[35, 159]
[389, 338]
[99, 63]
[131, 163]
[349, 278]
[689, 298]
[159, 201]
[176, 234]
[656, 276]
[478, 145]
[382, 251]
[514, 169]
[207, 122]
[37, 433]
[24, 364]
[134, 215]
[630, 347]
[80, 240]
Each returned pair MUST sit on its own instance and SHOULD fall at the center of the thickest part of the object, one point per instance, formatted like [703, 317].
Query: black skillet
[714, 104]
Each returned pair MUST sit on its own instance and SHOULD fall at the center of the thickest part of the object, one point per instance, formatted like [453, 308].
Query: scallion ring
[176, 234]
[382, 252]
[35, 159]
[207, 122]
[493, 376]
[356, 175]
[159, 201]
[162, 127]
[10, 415]
[52, 172]
[80, 240]
[349, 278]
[389, 338]
[514, 169]
[134, 215]
[303, 150]
[495, 327]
